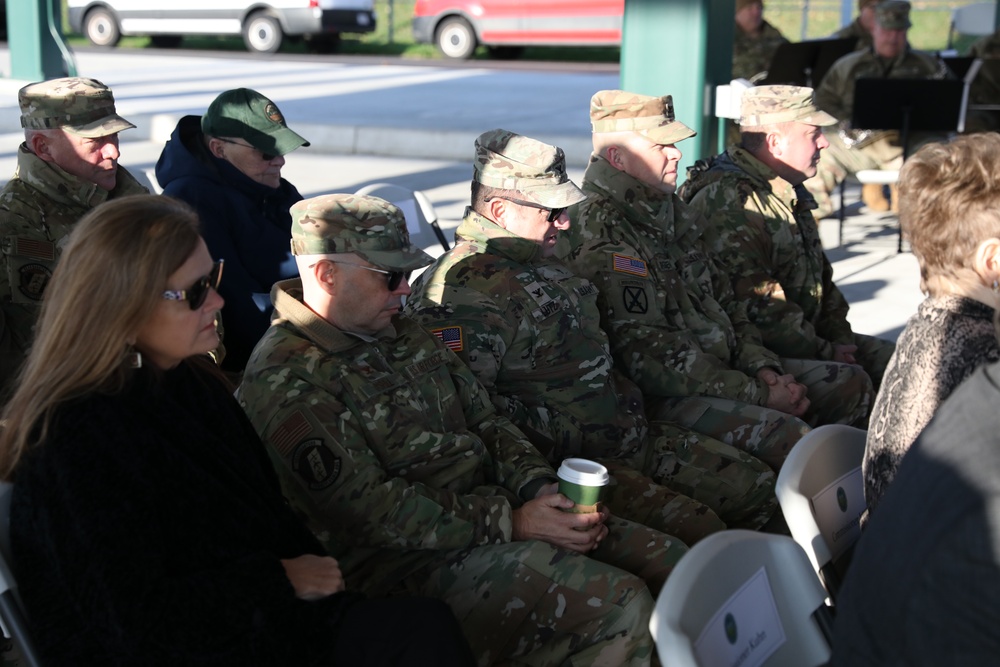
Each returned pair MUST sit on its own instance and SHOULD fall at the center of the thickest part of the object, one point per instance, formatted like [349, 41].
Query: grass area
[394, 36]
[931, 21]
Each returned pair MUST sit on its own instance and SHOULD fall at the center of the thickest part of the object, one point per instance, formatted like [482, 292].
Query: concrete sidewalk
[414, 125]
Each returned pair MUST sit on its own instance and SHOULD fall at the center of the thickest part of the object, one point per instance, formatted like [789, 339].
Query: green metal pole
[682, 48]
[34, 35]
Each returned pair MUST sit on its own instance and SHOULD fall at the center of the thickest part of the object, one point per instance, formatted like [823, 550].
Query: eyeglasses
[197, 293]
[394, 278]
[266, 157]
[554, 213]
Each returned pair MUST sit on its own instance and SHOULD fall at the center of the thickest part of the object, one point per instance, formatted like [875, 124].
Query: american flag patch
[34, 248]
[290, 433]
[451, 337]
[632, 265]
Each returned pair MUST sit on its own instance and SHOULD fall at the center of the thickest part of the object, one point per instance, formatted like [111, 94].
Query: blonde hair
[949, 203]
[107, 284]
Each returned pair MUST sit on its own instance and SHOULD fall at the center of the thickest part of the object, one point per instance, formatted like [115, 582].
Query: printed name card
[745, 631]
[838, 509]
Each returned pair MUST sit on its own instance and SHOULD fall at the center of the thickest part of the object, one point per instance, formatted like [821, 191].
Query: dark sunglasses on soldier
[394, 278]
[197, 293]
[554, 213]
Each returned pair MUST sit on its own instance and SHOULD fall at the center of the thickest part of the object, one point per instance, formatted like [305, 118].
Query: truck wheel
[456, 39]
[262, 33]
[101, 28]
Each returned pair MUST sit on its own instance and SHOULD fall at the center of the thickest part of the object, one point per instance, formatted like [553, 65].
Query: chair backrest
[742, 597]
[974, 19]
[421, 219]
[12, 615]
[821, 492]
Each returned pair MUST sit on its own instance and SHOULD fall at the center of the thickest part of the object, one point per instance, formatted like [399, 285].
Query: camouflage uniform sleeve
[481, 332]
[517, 465]
[833, 310]
[745, 247]
[659, 355]
[830, 93]
[314, 428]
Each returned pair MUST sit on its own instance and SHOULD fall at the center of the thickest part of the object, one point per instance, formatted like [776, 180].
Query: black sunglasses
[554, 213]
[197, 293]
[266, 157]
[393, 278]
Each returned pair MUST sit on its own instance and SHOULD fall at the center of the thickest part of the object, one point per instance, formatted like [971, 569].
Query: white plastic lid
[584, 472]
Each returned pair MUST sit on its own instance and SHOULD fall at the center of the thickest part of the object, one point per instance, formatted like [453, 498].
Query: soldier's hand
[314, 577]
[544, 519]
[845, 354]
[787, 395]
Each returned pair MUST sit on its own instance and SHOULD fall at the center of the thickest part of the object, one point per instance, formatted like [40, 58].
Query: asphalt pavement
[414, 125]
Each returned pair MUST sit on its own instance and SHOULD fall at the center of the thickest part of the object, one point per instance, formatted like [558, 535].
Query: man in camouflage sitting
[767, 240]
[530, 330]
[67, 165]
[386, 442]
[675, 326]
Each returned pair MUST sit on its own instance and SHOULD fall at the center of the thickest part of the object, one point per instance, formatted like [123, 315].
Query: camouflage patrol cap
[80, 106]
[740, 4]
[866, 3]
[652, 117]
[370, 227]
[245, 114]
[536, 170]
[893, 14]
[770, 105]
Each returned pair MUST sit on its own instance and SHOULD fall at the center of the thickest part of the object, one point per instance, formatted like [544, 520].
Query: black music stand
[805, 63]
[908, 105]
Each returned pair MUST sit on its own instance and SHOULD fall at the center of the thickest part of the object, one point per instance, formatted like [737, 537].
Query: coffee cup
[583, 482]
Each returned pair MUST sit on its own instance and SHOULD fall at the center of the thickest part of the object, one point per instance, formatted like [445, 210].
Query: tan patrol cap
[80, 106]
[509, 161]
[652, 117]
[770, 105]
[369, 227]
[893, 14]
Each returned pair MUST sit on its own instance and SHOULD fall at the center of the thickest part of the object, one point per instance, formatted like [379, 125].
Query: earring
[996, 285]
[133, 358]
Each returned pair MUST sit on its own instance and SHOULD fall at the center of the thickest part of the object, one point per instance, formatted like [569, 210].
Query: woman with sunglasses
[147, 524]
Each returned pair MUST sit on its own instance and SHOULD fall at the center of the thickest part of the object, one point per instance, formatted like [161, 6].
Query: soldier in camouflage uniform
[766, 238]
[754, 41]
[854, 149]
[860, 28]
[67, 165]
[386, 442]
[530, 330]
[674, 323]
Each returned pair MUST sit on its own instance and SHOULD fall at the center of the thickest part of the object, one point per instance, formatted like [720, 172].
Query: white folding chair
[12, 616]
[975, 19]
[821, 492]
[421, 219]
[742, 597]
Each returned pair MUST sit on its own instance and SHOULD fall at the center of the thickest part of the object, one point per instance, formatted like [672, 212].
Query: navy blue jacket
[243, 222]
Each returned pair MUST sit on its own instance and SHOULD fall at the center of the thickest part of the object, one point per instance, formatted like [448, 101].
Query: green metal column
[34, 35]
[682, 48]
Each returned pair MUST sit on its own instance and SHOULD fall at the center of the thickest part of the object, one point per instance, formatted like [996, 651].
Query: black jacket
[147, 530]
[243, 222]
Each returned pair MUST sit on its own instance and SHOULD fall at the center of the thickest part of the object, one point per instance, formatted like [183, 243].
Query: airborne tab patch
[451, 337]
[631, 265]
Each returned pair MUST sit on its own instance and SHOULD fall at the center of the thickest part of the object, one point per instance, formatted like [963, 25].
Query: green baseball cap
[369, 227]
[80, 106]
[893, 14]
[246, 114]
[770, 105]
[652, 117]
[536, 170]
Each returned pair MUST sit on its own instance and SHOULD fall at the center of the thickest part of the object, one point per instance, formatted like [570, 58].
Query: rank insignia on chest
[451, 337]
[631, 265]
